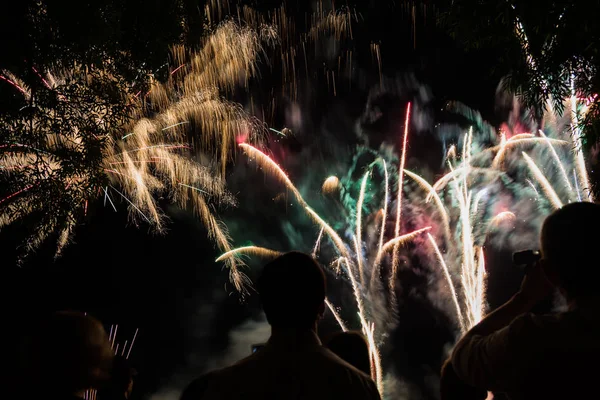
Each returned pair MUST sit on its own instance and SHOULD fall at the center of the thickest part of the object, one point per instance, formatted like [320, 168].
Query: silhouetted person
[351, 347]
[452, 388]
[293, 364]
[120, 384]
[68, 354]
[545, 357]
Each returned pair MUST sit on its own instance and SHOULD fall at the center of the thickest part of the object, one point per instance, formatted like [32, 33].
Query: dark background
[124, 275]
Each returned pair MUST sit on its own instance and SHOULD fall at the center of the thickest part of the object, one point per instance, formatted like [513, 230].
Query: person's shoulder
[371, 388]
[197, 387]
[529, 324]
[336, 363]
[242, 367]
[538, 333]
[571, 327]
[534, 323]
[201, 384]
[354, 377]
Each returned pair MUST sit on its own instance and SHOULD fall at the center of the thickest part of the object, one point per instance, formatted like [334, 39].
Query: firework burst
[476, 199]
[352, 259]
[296, 47]
[70, 154]
[85, 134]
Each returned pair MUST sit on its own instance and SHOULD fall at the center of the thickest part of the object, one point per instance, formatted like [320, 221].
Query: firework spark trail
[374, 352]
[451, 154]
[546, 186]
[174, 125]
[317, 244]
[376, 265]
[65, 235]
[41, 78]
[467, 151]
[356, 291]
[438, 202]
[454, 172]
[335, 238]
[480, 286]
[271, 166]
[114, 336]
[584, 182]
[468, 267]
[440, 258]
[400, 240]
[358, 239]
[521, 136]
[534, 188]
[217, 231]
[385, 204]
[557, 160]
[12, 82]
[357, 250]
[512, 142]
[395, 257]
[336, 315]
[503, 216]
[576, 186]
[476, 202]
[468, 148]
[132, 205]
[193, 188]
[338, 265]
[251, 251]
[18, 192]
[132, 342]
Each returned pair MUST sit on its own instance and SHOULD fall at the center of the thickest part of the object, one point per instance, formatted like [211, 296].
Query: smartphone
[526, 258]
[257, 347]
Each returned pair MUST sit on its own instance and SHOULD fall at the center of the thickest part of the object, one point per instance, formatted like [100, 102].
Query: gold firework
[73, 143]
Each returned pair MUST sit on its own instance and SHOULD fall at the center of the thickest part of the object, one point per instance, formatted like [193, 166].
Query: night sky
[169, 286]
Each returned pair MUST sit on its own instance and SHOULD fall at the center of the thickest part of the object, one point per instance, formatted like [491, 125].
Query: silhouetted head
[121, 375]
[351, 347]
[120, 384]
[569, 244]
[292, 291]
[69, 353]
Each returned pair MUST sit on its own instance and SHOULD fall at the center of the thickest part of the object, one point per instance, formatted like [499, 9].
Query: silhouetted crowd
[511, 351]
